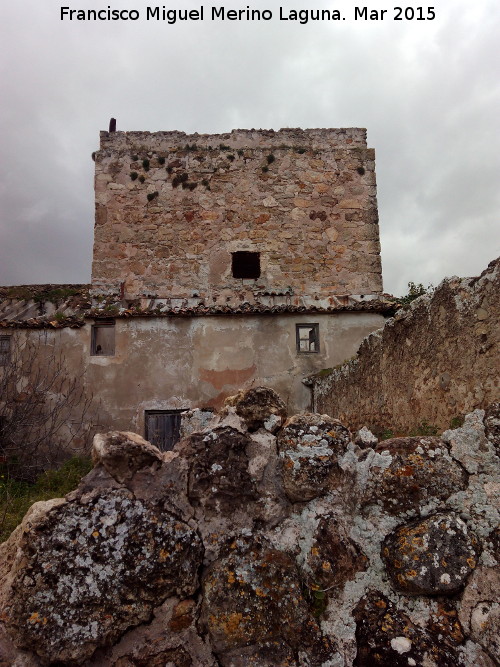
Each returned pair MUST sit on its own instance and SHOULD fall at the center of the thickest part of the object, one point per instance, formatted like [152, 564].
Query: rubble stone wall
[431, 363]
[264, 540]
[171, 209]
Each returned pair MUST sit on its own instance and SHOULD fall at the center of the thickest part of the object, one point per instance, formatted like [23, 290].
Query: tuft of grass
[133, 175]
[270, 159]
[152, 195]
[424, 428]
[161, 160]
[142, 178]
[17, 497]
[145, 165]
[457, 422]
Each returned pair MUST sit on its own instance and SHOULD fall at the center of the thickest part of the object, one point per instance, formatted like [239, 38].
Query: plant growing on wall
[414, 291]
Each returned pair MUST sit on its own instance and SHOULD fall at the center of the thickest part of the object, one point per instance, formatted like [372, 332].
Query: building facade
[221, 262]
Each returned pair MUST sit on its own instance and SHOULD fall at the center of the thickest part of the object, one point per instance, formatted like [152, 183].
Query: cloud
[428, 93]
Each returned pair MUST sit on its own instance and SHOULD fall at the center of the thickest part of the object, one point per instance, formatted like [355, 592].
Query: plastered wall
[180, 363]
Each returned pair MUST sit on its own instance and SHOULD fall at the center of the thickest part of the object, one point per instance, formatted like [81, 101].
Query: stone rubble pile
[264, 541]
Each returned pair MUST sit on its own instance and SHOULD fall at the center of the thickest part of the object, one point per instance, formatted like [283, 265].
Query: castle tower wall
[174, 212]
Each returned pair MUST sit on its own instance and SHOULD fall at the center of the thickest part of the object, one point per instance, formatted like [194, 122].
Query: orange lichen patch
[260, 593]
[34, 618]
[396, 563]
[95, 533]
[315, 551]
[387, 624]
[405, 471]
[446, 622]
[326, 566]
[231, 625]
[163, 555]
[471, 562]
[401, 579]
[230, 577]
[417, 541]
[381, 604]
[411, 574]
[444, 563]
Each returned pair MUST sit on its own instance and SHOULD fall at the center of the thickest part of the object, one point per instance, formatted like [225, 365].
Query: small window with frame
[103, 338]
[5, 350]
[307, 336]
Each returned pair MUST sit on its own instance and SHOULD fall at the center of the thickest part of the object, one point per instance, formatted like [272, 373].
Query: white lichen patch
[401, 644]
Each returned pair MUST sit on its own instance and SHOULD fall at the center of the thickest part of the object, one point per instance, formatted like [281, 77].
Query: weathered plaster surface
[433, 362]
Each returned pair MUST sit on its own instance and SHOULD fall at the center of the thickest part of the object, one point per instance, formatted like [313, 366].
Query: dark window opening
[103, 338]
[307, 336]
[4, 350]
[246, 265]
[162, 428]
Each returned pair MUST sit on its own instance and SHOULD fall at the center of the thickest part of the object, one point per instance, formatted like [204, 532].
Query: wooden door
[163, 428]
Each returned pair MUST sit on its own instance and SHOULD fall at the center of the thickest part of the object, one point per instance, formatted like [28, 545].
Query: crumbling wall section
[431, 363]
[171, 209]
[264, 541]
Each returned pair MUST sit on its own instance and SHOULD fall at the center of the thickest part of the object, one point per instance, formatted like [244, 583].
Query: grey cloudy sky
[428, 93]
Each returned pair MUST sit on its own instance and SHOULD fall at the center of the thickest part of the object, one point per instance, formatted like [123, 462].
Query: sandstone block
[309, 446]
[259, 407]
[91, 571]
[123, 453]
[386, 636]
[252, 596]
[431, 556]
[420, 468]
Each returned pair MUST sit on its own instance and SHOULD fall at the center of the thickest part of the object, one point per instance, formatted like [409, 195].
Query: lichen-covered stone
[93, 570]
[218, 471]
[333, 557]
[431, 556]
[309, 446]
[123, 453]
[260, 407]
[492, 424]
[364, 438]
[385, 636]
[252, 596]
[108, 577]
[480, 609]
[420, 468]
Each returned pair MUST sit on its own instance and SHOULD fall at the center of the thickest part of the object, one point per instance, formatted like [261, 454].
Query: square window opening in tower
[245, 265]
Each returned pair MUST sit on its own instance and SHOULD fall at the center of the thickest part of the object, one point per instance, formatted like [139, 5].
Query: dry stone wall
[171, 209]
[431, 363]
[264, 541]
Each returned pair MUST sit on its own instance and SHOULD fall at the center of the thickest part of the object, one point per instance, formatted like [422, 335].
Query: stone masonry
[171, 208]
[431, 364]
